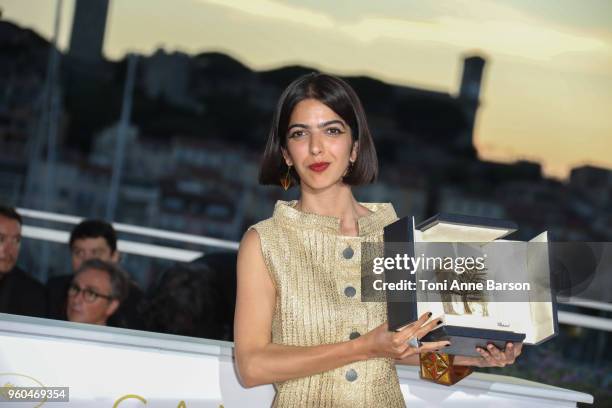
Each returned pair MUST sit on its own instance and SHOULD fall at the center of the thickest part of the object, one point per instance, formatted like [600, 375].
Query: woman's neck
[337, 202]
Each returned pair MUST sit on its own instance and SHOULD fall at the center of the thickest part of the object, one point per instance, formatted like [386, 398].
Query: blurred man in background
[19, 292]
[96, 292]
[93, 239]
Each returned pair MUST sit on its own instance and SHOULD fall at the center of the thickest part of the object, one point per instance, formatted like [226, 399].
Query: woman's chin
[317, 185]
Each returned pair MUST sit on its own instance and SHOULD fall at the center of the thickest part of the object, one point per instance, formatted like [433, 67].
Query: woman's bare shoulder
[258, 231]
[251, 258]
[251, 241]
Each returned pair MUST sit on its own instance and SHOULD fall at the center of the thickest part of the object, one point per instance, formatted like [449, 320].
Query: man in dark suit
[93, 239]
[19, 292]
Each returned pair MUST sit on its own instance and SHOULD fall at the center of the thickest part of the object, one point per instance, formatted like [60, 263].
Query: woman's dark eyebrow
[331, 122]
[300, 125]
[320, 125]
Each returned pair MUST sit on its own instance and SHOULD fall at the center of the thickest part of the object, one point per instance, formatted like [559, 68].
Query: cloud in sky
[497, 29]
[276, 10]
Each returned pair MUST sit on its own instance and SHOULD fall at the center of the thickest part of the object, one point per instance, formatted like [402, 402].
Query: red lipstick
[318, 167]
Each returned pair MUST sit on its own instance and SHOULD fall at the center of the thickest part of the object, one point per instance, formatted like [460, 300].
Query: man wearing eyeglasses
[19, 292]
[93, 239]
[96, 292]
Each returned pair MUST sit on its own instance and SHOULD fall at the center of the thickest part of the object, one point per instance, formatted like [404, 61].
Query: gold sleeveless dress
[317, 275]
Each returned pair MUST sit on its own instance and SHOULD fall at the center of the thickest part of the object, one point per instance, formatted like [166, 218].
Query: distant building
[590, 176]
[88, 29]
[454, 201]
[544, 206]
[143, 159]
[437, 119]
[166, 76]
[594, 183]
[469, 94]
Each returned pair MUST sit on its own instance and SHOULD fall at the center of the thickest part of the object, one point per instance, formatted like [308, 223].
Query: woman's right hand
[380, 342]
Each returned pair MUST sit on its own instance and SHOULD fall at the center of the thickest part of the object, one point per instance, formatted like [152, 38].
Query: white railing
[183, 255]
[134, 229]
[125, 246]
[128, 247]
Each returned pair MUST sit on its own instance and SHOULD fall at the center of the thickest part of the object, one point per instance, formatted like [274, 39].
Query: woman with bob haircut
[299, 322]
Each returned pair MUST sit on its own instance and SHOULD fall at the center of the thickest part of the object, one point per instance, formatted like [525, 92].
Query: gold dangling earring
[286, 179]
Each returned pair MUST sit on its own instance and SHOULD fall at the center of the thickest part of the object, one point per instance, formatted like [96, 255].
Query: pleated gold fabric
[317, 272]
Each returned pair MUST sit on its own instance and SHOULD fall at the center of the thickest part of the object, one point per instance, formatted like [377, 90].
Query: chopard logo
[181, 404]
[11, 380]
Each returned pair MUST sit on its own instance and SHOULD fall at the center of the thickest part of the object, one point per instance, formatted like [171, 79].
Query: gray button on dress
[348, 253]
[350, 291]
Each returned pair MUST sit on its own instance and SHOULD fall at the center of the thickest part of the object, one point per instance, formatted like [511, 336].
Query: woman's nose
[316, 144]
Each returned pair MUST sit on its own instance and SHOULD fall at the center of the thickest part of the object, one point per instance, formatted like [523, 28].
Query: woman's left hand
[492, 357]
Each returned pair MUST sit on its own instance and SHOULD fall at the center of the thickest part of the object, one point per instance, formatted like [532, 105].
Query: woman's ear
[288, 160]
[354, 151]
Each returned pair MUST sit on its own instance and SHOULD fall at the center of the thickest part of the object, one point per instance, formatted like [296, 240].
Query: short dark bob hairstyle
[339, 97]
